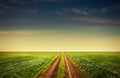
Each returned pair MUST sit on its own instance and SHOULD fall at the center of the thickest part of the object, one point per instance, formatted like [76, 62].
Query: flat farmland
[24, 65]
[96, 64]
[60, 65]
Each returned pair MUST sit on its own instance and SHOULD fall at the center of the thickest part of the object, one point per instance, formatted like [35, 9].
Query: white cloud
[79, 11]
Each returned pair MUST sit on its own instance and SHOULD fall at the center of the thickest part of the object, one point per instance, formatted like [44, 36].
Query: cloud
[2, 12]
[59, 13]
[79, 11]
[76, 10]
[104, 10]
[5, 9]
[32, 11]
[52, 0]
[4, 6]
[96, 20]
[111, 7]
[13, 1]
[35, 0]
[21, 2]
[18, 32]
[27, 11]
[115, 6]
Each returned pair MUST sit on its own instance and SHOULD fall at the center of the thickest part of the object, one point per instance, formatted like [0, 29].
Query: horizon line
[64, 51]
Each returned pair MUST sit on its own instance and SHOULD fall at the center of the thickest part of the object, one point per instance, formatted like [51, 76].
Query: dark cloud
[13, 1]
[52, 0]
[104, 10]
[115, 6]
[4, 6]
[35, 0]
[4, 9]
[2, 12]
[74, 11]
[96, 20]
[56, 11]
[110, 8]
[23, 2]
[32, 11]
[59, 13]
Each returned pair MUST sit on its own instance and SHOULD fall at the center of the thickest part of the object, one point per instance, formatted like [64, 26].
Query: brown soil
[71, 70]
[51, 71]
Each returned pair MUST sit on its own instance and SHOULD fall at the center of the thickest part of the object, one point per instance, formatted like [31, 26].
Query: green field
[99, 65]
[31, 64]
[24, 65]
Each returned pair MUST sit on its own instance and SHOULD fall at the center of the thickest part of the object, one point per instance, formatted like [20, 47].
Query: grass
[82, 72]
[20, 65]
[47, 65]
[99, 65]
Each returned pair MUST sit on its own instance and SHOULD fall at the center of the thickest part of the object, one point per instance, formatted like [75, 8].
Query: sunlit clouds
[18, 32]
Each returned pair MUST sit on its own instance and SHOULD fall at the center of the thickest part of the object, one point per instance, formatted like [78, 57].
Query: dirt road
[51, 71]
[71, 70]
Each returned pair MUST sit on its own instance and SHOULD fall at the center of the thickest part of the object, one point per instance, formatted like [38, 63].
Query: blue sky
[46, 14]
[71, 24]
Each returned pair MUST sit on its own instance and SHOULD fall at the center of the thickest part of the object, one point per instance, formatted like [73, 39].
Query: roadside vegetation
[99, 65]
[23, 66]
[61, 68]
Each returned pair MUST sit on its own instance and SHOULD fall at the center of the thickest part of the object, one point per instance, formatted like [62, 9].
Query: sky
[59, 25]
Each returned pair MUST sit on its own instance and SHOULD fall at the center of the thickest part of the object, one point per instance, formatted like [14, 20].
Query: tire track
[51, 71]
[71, 70]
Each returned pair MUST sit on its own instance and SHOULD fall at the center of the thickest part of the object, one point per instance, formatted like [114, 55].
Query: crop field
[61, 69]
[60, 65]
[99, 65]
[23, 65]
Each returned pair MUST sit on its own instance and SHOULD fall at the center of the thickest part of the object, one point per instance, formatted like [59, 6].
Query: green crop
[61, 68]
[101, 65]
[23, 66]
